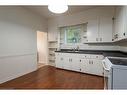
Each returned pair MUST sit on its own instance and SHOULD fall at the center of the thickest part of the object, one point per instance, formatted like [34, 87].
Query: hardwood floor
[41, 65]
[49, 77]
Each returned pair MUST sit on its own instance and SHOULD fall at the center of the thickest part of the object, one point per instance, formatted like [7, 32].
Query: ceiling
[43, 10]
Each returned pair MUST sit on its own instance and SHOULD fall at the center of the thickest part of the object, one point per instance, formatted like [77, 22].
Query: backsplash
[123, 46]
[92, 47]
[119, 46]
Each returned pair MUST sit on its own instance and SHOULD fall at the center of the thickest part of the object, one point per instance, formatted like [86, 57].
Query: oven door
[106, 75]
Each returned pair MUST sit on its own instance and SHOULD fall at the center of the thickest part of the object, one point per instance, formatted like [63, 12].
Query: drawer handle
[96, 39]
[100, 39]
[89, 61]
[124, 34]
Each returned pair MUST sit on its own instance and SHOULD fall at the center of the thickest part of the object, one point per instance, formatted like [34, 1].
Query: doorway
[41, 49]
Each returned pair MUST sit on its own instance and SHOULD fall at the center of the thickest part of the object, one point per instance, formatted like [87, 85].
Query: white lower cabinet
[67, 63]
[76, 64]
[84, 65]
[95, 67]
[59, 60]
[91, 64]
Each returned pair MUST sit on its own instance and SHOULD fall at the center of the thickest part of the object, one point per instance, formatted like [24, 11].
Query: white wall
[42, 47]
[18, 42]
[79, 18]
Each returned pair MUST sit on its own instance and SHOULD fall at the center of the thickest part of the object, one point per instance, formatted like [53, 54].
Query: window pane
[73, 35]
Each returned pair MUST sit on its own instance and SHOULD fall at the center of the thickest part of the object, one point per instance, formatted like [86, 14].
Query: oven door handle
[104, 66]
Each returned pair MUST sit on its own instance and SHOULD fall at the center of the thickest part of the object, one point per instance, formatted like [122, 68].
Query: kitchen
[85, 40]
[91, 52]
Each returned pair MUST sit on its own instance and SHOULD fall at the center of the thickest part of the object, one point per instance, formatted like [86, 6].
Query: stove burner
[118, 61]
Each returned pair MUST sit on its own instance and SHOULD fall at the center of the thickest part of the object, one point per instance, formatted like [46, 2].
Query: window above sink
[73, 35]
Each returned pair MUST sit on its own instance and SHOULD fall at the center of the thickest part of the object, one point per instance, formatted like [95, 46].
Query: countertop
[105, 53]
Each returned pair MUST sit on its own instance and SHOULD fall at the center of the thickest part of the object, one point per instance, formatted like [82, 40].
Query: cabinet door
[125, 23]
[84, 65]
[67, 63]
[119, 23]
[59, 60]
[92, 31]
[106, 29]
[76, 64]
[52, 33]
[96, 67]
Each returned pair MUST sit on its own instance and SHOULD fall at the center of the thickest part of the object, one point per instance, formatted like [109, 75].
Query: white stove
[115, 73]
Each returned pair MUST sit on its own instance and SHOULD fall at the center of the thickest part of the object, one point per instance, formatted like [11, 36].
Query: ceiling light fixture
[58, 8]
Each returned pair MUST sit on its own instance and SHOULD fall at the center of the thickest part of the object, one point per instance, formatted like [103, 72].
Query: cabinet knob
[80, 60]
[124, 34]
[89, 62]
[70, 60]
[80, 69]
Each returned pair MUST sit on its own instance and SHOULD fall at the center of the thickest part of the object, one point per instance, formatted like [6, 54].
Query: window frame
[81, 26]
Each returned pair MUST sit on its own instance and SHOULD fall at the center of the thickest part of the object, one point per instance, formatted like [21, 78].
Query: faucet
[77, 48]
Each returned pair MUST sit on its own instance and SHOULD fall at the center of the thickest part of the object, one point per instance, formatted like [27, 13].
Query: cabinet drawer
[81, 56]
[59, 54]
[96, 56]
[84, 56]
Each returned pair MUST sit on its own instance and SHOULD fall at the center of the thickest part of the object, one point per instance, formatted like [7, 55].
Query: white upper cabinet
[100, 30]
[52, 34]
[52, 30]
[125, 23]
[92, 31]
[106, 29]
[120, 23]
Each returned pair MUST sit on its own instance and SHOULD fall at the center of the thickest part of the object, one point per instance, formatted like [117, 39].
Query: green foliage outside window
[73, 35]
